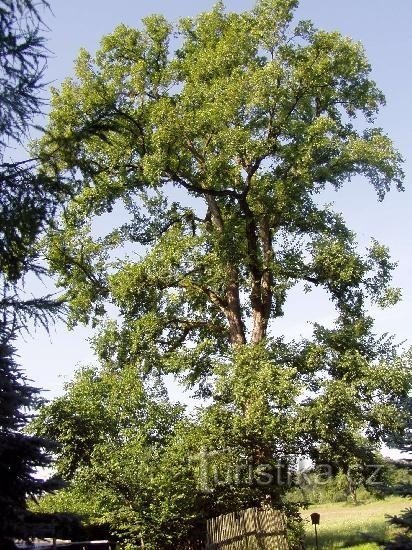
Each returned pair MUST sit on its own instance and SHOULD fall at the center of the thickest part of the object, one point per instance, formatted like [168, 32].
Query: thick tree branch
[206, 191]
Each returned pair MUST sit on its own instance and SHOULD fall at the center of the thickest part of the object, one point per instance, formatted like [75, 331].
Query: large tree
[213, 149]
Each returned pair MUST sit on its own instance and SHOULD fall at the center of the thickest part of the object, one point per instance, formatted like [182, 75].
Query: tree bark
[262, 293]
[260, 256]
[234, 310]
[232, 307]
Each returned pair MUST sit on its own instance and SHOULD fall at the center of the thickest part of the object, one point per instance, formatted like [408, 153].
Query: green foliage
[403, 540]
[28, 198]
[135, 463]
[216, 152]
[403, 521]
[319, 486]
[23, 57]
[113, 433]
[28, 203]
[246, 122]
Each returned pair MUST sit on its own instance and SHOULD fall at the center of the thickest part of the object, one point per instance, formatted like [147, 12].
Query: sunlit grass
[352, 527]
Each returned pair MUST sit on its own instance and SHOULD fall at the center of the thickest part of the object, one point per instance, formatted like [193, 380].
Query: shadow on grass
[367, 537]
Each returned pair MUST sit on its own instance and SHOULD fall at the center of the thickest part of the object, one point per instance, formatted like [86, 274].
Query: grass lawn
[351, 527]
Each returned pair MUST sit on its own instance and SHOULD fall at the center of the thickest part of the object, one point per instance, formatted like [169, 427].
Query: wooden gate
[252, 529]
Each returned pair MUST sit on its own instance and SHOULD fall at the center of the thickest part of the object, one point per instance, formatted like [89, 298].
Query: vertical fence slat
[254, 528]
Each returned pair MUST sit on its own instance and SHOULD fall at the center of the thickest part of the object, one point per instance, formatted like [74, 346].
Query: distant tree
[218, 153]
[28, 202]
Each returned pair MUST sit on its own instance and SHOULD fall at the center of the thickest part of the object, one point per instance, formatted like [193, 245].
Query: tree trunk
[262, 294]
[234, 310]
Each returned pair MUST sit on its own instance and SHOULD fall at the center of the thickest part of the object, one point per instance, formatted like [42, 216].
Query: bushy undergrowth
[314, 488]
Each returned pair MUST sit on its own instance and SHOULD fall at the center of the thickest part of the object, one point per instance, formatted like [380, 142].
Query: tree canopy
[212, 143]
[246, 131]
[113, 432]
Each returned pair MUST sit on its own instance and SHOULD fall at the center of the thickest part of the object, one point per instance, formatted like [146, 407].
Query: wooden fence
[252, 529]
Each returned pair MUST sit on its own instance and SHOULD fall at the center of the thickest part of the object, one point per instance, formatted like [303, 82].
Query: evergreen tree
[403, 539]
[20, 453]
[28, 201]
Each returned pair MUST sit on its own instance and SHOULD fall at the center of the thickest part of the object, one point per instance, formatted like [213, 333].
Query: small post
[315, 517]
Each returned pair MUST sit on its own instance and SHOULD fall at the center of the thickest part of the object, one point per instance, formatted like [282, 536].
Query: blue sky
[384, 29]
